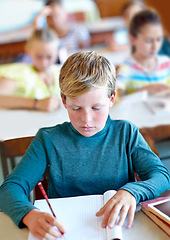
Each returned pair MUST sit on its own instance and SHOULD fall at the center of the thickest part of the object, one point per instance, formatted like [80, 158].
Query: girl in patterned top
[145, 70]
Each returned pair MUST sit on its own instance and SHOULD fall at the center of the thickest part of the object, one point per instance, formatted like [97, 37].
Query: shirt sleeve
[16, 188]
[154, 175]
[83, 34]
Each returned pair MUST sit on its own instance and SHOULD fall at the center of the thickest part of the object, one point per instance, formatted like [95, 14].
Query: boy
[88, 155]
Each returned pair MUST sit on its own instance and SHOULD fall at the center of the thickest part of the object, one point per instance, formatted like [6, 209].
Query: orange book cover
[164, 225]
[161, 208]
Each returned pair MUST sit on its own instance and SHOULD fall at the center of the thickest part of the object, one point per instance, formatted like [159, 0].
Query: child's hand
[48, 104]
[155, 88]
[122, 202]
[41, 225]
[45, 12]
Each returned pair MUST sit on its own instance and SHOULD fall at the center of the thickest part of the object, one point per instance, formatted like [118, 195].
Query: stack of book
[158, 210]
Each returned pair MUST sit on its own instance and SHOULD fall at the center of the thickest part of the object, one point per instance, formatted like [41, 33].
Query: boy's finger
[101, 211]
[131, 215]
[123, 215]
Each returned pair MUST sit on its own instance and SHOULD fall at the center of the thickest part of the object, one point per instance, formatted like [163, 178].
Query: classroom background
[15, 14]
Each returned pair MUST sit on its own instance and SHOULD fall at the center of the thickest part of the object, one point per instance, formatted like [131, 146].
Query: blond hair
[84, 71]
[46, 35]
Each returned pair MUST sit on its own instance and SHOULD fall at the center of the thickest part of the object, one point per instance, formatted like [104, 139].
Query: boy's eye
[96, 108]
[75, 109]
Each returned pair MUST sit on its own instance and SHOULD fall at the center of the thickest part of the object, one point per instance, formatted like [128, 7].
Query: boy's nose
[86, 116]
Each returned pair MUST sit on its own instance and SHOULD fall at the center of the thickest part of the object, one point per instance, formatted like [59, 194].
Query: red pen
[46, 198]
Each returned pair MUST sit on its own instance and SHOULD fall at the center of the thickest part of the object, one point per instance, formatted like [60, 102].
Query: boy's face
[43, 54]
[88, 113]
[148, 41]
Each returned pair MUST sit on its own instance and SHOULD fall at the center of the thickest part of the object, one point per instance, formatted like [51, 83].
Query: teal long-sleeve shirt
[84, 165]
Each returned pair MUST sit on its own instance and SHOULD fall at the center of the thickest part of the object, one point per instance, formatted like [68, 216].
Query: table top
[115, 57]
[143, 228]
[23, 123]
[99, 26]
[104, 24]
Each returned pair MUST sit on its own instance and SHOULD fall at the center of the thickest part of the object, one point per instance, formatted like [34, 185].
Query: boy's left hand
[122, 202]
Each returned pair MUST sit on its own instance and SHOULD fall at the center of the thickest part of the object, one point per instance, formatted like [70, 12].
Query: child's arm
[41, 225]
[122, 202]
[155, 88]
[15, 102]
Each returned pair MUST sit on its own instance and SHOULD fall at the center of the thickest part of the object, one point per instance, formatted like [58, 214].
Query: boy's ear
[112, 99]
[63, 100]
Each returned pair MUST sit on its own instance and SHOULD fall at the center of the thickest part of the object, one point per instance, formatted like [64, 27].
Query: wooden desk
[102, 29]
[116, 58]
[143, 228]
[12, 43]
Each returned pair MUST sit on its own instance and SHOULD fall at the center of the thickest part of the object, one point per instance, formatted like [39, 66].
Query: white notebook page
[78, 216]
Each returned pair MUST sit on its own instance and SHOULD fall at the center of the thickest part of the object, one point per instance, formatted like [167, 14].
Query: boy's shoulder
[124, 125]
[54, 129]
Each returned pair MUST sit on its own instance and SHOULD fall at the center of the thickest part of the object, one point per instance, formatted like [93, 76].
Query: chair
[154, 135]
[9, 51]
[10, 150]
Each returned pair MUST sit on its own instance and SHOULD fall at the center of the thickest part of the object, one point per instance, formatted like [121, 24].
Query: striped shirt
[132, 76]
[76, 36]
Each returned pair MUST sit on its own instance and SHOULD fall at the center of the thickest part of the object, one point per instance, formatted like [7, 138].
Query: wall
[163, 9]
[109, 8]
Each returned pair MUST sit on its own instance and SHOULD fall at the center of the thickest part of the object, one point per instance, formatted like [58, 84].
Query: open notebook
[78, 216]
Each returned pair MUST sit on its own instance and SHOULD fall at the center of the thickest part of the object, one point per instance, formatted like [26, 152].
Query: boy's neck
[149, 64]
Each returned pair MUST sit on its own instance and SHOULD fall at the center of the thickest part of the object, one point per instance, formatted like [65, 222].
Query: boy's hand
[122, 202]
[41, 225]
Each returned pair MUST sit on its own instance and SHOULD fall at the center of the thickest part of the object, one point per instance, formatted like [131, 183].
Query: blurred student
[72, 37]
[90, 154]
[145, 69]
[33, 86]
[120, 39]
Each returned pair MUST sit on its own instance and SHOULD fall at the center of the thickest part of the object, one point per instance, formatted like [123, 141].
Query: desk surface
[143, 228]
[102, 25]
[23, 123]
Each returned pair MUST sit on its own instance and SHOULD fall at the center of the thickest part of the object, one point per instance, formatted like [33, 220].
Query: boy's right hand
[50, 104]
[42, 224]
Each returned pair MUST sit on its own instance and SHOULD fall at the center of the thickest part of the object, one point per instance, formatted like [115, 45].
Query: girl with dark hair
[145, 70]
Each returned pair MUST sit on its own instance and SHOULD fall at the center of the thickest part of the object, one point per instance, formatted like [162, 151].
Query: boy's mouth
[87, 128]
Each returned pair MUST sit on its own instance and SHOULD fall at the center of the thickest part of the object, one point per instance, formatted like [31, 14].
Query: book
[161, 209]
[78, 214]
[164, 225]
